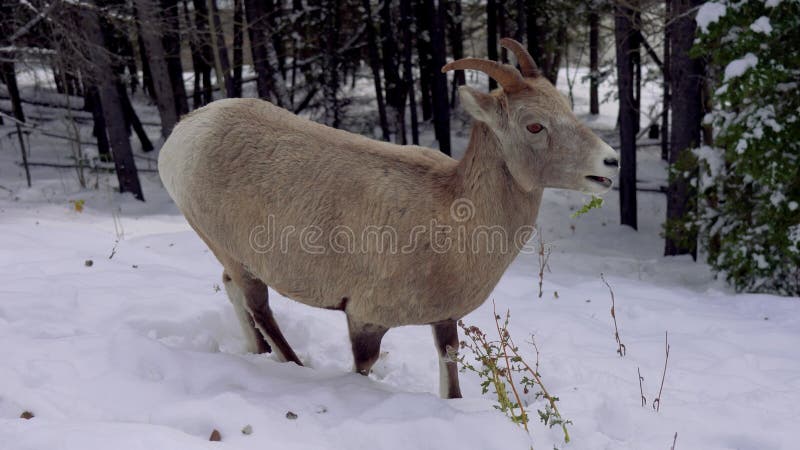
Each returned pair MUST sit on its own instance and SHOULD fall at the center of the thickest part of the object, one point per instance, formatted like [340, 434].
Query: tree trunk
[92, 103]
[406, 20]
[148, 14]
[686, 74]
[425, 56]
[636, 60]
[441, 109]
[594, 62]
[205, 52]
[257, 31]
[133, 120]
[238, 44]
[666, 94]
[8, 76]
[456, 31]
[331, 64]
[502, 27]
[222, 50]
[395, 88]
[103, 76]
[623, 31]
[374, 63]
[491, 36]
[171, 41]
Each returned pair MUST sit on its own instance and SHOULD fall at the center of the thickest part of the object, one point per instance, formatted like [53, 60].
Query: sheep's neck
[484, 179]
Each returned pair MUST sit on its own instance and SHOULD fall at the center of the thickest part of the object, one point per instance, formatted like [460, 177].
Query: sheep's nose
[611, 162]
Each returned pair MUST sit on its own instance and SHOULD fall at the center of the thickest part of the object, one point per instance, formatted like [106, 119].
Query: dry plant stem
[544, 255]
[504, 337]
[641, 390]
[657, 400]
[538, 379]
[674, 439]
[620, 346]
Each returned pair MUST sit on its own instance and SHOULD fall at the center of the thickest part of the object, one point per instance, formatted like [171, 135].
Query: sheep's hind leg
[257, 304]
[255, 340]
[365, 339]
[445, 336]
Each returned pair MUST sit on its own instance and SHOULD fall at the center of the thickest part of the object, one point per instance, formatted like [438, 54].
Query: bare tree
[147, 12]
[628, 115]
[102, 74]
[686, 75]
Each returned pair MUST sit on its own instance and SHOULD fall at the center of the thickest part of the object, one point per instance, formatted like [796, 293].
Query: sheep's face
[543, 143]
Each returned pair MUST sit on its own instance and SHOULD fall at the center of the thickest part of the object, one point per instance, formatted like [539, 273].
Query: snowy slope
[142, 351]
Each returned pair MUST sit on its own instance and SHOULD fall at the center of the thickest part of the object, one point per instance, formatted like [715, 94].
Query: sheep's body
[292, 174]
[391, 235]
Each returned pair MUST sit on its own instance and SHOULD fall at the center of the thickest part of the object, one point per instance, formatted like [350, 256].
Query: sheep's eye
[535, 127]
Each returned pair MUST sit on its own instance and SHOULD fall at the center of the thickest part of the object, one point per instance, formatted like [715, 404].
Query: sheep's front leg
[445, 336]
[365, 339]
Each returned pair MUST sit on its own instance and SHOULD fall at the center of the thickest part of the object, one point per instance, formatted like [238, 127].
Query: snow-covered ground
[141, 350]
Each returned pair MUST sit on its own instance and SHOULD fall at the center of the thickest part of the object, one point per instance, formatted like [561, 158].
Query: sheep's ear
[479, 105]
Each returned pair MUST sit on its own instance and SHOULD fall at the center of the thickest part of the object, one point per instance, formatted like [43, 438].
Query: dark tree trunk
[636, 60]
[8, 76]
[92, 103]
[257, 31]
[375, 65]
[519, 32]
[623, 32]
[102, 74]
[238, 43]
[205, 52]
[222, 50]
[666, 95]
[406, 21]
[456, 32]
[686, 75]
[147, 77]
[133, 120]
[425, 56]
[395, 87]
[441, 109]
[148, 14]
[491, 36]
[331, 63]
[594, 62]
[171, 41]
[502, 28]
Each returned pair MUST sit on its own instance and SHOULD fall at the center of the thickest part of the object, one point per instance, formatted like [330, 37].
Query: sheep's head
[543, 143]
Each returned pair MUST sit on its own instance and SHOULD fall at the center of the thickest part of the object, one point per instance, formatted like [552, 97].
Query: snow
[762, 25]
[737, 67]
[709, 13]
[142, 350]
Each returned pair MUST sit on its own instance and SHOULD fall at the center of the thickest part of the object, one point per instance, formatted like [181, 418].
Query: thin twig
[621, 350]
[657, 400]
[674, 439]
[641, 390]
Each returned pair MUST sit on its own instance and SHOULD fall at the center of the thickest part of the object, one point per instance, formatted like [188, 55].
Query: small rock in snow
[248, 429]
[215, 436]
[26, 415]
[88, 263]
[290, 415]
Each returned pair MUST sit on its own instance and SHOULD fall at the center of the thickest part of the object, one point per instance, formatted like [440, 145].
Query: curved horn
[508, 77]
[526, 63]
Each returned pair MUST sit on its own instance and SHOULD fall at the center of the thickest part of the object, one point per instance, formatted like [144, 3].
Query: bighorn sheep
[243, 171]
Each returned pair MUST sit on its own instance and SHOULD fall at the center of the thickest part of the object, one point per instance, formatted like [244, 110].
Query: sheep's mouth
[603, 181]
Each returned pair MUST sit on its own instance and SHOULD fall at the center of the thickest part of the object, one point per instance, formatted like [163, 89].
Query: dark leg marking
[445, 336]
[365, 339]
[255, 293]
